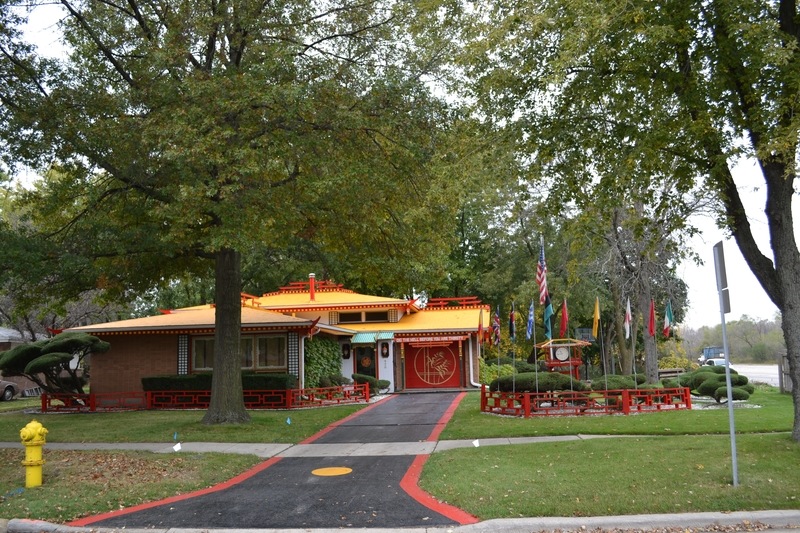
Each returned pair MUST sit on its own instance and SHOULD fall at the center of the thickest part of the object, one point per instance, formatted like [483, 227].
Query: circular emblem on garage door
[435, 366]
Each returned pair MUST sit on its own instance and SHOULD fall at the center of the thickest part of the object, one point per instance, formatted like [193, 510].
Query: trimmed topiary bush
[737, 393]
[195, 382]
[614, 381]
[374, 384]
[527, 382]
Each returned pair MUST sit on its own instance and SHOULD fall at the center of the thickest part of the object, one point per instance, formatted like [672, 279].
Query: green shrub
[614, 381]
[673, 361]
[708, 386]
[334, 380]
[374, 386]
[671, 383]
[527, 382]
[323, 358]
[194, 382]
[737, 393]
[488, 372]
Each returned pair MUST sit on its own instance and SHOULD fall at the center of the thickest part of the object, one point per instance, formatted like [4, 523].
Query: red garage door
[432, 366]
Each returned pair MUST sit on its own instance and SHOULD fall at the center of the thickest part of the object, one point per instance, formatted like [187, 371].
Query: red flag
[651, 323]
[564, 319]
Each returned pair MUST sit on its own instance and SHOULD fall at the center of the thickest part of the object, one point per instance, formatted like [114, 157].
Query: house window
[349, 317]
[203, 354]
[246, 349]
[272, 352]
[376, 316]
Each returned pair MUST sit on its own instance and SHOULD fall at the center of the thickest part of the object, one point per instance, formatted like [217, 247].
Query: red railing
[563, 403]
[253, 399]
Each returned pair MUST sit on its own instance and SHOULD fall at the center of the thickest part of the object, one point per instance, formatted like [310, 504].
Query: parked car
[716, 361]
[8, 390]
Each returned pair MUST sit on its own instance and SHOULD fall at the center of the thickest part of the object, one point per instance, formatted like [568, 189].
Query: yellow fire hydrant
[32, 437]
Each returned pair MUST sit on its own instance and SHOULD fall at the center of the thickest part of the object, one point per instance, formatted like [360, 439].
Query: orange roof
[448, 319]
[327, 296]
[195, 318]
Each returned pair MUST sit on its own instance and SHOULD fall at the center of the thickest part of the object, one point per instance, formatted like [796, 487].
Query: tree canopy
[174, 134]
[613, 102]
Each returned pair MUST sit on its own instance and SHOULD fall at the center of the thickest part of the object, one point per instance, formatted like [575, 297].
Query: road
[759, 373]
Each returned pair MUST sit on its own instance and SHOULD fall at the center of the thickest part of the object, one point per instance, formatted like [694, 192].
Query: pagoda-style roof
[195, 319]
[324, 296]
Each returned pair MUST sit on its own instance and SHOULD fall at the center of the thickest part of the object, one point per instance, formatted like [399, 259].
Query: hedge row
[192, 382]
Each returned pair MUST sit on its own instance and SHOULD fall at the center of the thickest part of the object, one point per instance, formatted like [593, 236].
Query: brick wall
[130, 358]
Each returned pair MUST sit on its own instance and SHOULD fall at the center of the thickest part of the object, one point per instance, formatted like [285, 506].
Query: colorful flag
[596, 321]
[564, 320]
[480, 327]
[668, 318]
[496, 327]
[651, 322]
[541, 274]
[548, 313]
[512, 324]
[628, 319]
[529, 331]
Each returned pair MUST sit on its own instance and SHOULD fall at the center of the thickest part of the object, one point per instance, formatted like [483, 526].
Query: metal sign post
[725, 307]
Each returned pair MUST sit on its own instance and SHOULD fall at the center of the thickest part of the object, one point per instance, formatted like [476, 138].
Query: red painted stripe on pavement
[220, 486]
[338, 423]
[231, 482]
[409, 483]
[440, 425]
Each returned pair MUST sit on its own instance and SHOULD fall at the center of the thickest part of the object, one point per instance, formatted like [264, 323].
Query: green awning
[371, 337]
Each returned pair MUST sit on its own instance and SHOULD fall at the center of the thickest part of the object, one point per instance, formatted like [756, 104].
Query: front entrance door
[365, 361]
[431, 367]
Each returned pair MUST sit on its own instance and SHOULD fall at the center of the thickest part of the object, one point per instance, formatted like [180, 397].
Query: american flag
[541, 275]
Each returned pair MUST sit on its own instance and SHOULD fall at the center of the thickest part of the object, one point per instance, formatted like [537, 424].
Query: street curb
[778, 520]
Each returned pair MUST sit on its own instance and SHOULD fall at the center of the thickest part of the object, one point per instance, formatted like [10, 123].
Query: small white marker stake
[476, 443]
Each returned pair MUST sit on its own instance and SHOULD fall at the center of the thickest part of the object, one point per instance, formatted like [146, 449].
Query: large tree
[177, 133]
[678, 90]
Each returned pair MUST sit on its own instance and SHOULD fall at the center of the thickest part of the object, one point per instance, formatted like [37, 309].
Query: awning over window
[372, 337]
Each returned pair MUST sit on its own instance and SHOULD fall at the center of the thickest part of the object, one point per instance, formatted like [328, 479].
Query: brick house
[411, 343]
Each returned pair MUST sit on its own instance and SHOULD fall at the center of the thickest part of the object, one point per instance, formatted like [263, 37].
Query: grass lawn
[774, 414]
[77, 484]
[161, 426]
[690, 470]
[618, 476]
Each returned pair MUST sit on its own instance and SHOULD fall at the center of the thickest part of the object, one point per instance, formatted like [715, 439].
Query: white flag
[628, 319]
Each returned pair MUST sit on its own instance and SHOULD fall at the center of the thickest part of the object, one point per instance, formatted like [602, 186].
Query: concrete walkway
[384, 446]
[267, 450]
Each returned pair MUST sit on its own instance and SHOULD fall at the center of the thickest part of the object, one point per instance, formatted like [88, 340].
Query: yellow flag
[596, 317]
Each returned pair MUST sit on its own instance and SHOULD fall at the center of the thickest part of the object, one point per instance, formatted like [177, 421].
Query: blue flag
[548, 313]
[529, 332]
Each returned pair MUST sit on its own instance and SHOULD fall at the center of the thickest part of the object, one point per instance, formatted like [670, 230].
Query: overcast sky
[746, 295]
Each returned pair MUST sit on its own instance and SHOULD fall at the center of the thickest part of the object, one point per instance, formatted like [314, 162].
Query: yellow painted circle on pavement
[332, 471]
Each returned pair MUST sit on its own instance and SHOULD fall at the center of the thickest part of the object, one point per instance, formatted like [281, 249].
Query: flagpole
[633, 356]
[535, 352]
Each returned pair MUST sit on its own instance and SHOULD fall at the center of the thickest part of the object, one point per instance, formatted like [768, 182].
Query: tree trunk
[779, 277]
[227, 401]
[650, 351]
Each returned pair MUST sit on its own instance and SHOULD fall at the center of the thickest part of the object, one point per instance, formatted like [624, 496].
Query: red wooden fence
[253, 399]
[561, 403]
